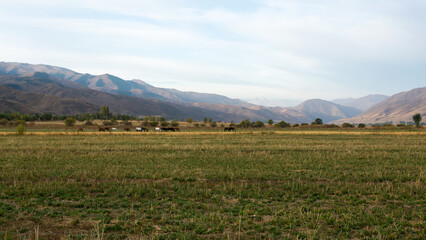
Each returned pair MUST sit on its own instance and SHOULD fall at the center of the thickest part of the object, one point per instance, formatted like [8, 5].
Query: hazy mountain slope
[399, 107]
[13, 100]
[45, 87]
[325, 110]
[362, 103]
[112, 84]
[282, 102]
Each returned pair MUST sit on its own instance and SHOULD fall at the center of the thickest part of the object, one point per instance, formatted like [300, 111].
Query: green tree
[283, 124]
[189, 121]
[205, 120]
[361, 125]
[270, 122]
[318, 121]
[69, 122]
[417, 118]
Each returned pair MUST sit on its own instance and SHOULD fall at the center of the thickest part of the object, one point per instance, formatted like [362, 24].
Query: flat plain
[261, 185]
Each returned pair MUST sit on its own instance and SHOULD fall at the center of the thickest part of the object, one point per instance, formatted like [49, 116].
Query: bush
[69, 122]
[88, 123]
[283, 124]
[258, 124]
[107, 123]
[296, 125]
[3, 121]
[347, 125]
[153, 123]
[20, 129]
[400, 125]
[232, 124]
[175, 123]
[196, 124]
[304, 124]
[164, 123]
[213, 124]
[361, 125]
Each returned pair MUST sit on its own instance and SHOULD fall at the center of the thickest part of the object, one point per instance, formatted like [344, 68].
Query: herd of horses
[157, 129]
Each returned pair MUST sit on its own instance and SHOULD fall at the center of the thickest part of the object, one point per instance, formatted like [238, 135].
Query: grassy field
[216, 186]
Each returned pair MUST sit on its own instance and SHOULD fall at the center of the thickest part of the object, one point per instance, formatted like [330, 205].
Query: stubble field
[211, 185]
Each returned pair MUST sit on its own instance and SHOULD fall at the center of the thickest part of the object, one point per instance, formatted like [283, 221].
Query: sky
[275, 49]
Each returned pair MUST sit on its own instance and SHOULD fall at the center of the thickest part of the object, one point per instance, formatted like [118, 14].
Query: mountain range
[399, 107]
[30, 88]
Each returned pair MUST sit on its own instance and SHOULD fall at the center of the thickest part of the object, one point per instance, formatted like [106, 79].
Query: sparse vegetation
[361, 125]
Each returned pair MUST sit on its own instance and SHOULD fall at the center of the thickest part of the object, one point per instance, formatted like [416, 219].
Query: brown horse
[80, 129]
[229, 129]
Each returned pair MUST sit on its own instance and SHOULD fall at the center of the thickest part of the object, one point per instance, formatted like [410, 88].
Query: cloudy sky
[239, 48]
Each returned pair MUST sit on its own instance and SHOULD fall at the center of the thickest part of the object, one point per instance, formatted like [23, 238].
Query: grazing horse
[127, 129]
[166, 129]
[229, 129]
[176, 129]
[141, 129]
[80, 129]
[114, 129]
[158, 129]
[107, 129]
[101, 129]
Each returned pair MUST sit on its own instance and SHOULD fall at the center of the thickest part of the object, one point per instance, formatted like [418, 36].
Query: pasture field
[265, 185]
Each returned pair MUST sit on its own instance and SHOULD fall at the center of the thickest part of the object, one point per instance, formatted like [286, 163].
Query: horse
[80, 130]
[127, 129]
[141, 129]
[158, 129]
[229, 129]
[176, 129]
[114, 129]
[101, 129]
[166, 129]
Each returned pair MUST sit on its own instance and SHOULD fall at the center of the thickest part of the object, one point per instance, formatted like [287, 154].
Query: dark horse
[229, 129]
[166, 129]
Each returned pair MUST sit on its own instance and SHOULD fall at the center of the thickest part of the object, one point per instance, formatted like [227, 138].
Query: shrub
[127, 123]
[107, 123]
[189, 120]
[283, 124]
[164, 123]
[347, 125]
[258, 124]
[304, 124]
[153, 123]
[361, 125]
[296, 125]
[175, 123]
[20, 129]
[3, 121]
[213, 124]
[232, 124]
[69, 122]
[196, 124]
[88, 123]
[400, 125]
